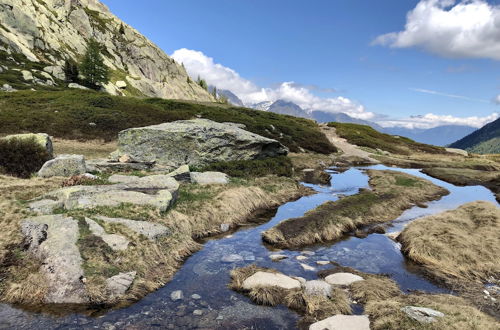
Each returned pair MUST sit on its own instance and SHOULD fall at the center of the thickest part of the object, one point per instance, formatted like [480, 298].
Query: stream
[206, 273]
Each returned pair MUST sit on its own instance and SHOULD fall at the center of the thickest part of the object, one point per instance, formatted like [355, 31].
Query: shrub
[21, 157]
[280, 166]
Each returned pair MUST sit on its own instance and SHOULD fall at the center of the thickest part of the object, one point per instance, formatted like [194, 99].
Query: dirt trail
[349, 150]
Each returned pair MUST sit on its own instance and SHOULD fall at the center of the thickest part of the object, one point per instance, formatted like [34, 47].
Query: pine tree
[214, 92]
[93, 69]
[70, 71]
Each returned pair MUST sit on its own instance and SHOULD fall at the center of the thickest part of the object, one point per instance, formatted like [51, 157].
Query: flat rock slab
[318, 288]
[151, 230]
[52, 239]
[196, 142]
[147, 182]
[119, 284]
[343, 322]
[422, 314]
[104, 165]
[114, 241]
[263, 279]
[63, 165]
[206, 178]
[343, 279]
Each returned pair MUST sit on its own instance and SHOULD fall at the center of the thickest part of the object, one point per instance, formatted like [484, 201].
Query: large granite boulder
[42, 139]
[63, 165]
[196, 142]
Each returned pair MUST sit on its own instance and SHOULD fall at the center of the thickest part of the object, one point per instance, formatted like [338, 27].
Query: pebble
[176, 295]
[300, 258]
[277, 257]
[323, 262]
[307, 267]
[198, 312]
[196, 296]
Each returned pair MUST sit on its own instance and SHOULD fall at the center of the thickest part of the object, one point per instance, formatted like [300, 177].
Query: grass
[365, 136]
[91, 149]
[280, 166]
[392, 193]
[71, 115]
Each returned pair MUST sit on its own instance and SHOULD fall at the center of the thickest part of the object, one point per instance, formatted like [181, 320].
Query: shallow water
[207, 274]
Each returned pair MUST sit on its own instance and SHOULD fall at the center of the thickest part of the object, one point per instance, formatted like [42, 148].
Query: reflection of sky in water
[205, 274]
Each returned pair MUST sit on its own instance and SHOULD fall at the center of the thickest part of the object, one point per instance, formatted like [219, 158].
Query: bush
[21, 157]
[280, 166]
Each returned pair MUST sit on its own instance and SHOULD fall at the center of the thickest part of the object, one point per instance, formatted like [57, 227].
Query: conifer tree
[95, 72]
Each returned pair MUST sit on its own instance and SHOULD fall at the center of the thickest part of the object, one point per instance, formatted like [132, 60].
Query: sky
[411, 63]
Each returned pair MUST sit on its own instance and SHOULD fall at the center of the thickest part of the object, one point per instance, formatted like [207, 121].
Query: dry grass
[90, 149]
[302, 161]
[267, 296]
[459, 314]
[393, 192]
[374, 288]
[458, 244]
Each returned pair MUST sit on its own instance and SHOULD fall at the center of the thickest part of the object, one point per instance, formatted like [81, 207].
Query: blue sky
[329, 44]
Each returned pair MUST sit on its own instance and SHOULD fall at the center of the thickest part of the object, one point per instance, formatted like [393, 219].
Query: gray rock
[224, 227]
[176, 295]
[343, 279]
[76, 86]
[151, 230]
[150, 182]
[264, 279]
[181, 174]
[207, 178]
[277, 257]
[422, 314]
[104, 165]
[195, 142]
[118, 285]
[45, 206]
[63, 165]
[121, 84]
[198, 312]
[114, 241]
[8, 88]
[232, 258]
[27, 75]
[196, 296]
[42, 139]
[52, 239]
[318, 288]
[337, 322]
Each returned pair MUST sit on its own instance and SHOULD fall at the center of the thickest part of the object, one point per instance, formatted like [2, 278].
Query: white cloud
[431, 120]
[198, 64]
[453, 96]
[467, 28]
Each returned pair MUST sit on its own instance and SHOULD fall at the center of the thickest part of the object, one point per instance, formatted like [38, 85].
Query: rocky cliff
[36, 36]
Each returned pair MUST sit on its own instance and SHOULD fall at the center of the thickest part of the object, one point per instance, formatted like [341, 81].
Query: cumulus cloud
[198, 64]
[450, 28]
[431, 120]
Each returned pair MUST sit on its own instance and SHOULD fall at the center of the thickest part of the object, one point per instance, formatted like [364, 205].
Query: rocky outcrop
[196, 142]
[52, 239]
[48, 32]
[42, 139]
[63, 165]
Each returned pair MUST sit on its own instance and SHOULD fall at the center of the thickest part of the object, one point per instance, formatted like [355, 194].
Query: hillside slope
[485, 140]
[38, 35]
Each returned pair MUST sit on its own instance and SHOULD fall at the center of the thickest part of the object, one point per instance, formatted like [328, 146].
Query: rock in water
[337, 322]
[343, 279]
[63, 165]
[42, 139]
[422, 314]
[264, 279]
[196, 142]
[52, 239]
[318, 288]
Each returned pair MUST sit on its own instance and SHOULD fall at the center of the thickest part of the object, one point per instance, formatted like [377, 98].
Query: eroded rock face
[351, 322]
[52, 30]
[63, 165]
[262, 279]
[196, 142]
[52, 239]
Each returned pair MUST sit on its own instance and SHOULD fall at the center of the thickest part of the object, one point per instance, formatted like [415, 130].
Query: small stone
[301, 258]
[224, 227]
[198, 312]
[196, 296]
[322, 262]
[343, 279]
[119, 284]
[486, 292]
[308, 268]
[121, 84]
[277, 257]
[176, 295]
[308, 253]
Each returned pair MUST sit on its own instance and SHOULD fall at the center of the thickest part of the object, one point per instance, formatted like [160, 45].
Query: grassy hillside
[365, 136]
[89, 115]
[485, 140]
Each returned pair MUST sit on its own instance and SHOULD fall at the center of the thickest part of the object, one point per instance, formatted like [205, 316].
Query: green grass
[365, 136]
[406, 182]
[280, 166]
[68, 113]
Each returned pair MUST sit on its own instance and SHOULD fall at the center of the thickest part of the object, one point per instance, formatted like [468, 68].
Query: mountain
[231, 97]
[36, 36]
[439, 136]
[485, 140]
[288, 108]
[340, 117]
[264, 106]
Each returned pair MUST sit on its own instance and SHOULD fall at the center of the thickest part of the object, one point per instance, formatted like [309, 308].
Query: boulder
[150, 230]
[338, 322]
[343, 279]
[63, 165]
[121, 84]
[181, 174]
[117, 285]
[114, 241]
[42, 139]
[422, 314]
[52, 239]
[318, 288]
[263, 279]
[207, 178]
[76, 86]
[196, 142]
[27, 75]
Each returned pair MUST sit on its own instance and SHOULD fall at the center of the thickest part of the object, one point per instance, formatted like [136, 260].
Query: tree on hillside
[202, 83]
[95, 72]
[71, 71]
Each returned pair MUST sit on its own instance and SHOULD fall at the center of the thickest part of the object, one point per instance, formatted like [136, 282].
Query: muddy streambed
[208, 303]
